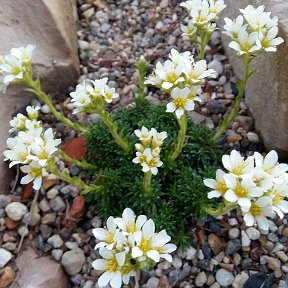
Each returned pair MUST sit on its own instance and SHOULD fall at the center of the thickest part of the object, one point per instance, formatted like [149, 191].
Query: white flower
[33, 131]
[18, 152]
[180, 102]
[194, 91]
[270, 164]
[158, 137]
[245, 43]
[23, 53]
[166, 75]
[18, 123]
[35, 173]
[180, 58]
[109, 94]
[44, 147]
[278, 195]
[257, 213]
[99, 86]
[192, 5]
[241, 191]
[156, 152]
[12, 69]
[81, 96]
[151, 163]
[233, 27]
[197, 72]
[190, 29]
[260, 178]
[219, 186]
[216, 6]
[152, 245]
[236, 164]
[203, 15]
[116, 270]
[107, 235]
[258, 19]
[268, 42]
[128, 223]
[144, 135]
[32, 112]
[140, 158]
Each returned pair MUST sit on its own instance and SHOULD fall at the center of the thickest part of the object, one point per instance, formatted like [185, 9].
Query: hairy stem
[81, 164]
[241, 87]
[35, 87]
[180, 139]
[221, 210]
[147, 182]
[142, 66]
[203, 43]
[112, 127]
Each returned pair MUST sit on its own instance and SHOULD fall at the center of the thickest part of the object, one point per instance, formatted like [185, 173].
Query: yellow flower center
[15, 70]
[112, 265]
[145, 245]
[180, 103]
[43, 155]
[191, 96]
[109, 238]
[22, 156]
[255, 210]
[240, 191]
[152, 163]
[239, 169]
[265, 42]
[36, 172]
[142, 158]
[221, 187]
[108, 95]
[172, 77]
[131, 228]
[277, 199]
[245, 46]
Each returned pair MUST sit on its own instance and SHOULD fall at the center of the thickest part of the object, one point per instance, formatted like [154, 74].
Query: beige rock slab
[266, 93]
[50, 25]
[35, 271]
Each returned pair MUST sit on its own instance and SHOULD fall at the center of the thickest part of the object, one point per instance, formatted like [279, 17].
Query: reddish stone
[27, 191]
[78, 207]
[216, 244]
[76, 148]
[200, 235]
[16, 198]
[68, 222]
[8, 238]
[10, 224]
[256, 253]
[7, 275]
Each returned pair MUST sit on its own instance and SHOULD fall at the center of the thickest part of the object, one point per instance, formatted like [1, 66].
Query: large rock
[41, 272]
[266, 92]
[50, 25]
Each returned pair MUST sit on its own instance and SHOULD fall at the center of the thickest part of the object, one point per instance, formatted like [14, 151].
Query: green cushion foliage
[179, 194]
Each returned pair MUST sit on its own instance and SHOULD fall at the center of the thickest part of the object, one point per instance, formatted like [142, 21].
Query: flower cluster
[32, 146]
[148, 152]
[257, 34]
[90, 94]
[203, 15]
[181, 77]
[258, 185]
[128, 244]
[14, 65]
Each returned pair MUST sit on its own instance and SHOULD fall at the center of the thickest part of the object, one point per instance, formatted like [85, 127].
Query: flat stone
[44, 273]
[152, 282]
[7, 276]
[216, 244]
[16, 210]
[73, 261]
[273, 263]
[5, 257]
[5, 200]
[234, 233]
[57, 204]
[190, 253]
[233, 246]
[201, 279]
[253, 233]
[216, 65]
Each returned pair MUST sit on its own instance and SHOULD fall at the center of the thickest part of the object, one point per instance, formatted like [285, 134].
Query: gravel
[16, 210]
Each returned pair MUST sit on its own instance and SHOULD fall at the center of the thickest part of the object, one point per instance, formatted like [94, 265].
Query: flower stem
[35, 87]
[142, 66]
[82, 164]
[112, 127]
[203, 43]
[137, 278]
[75, 181]
[147, 182]
[241, 85]
[221, 210]
[180, 139]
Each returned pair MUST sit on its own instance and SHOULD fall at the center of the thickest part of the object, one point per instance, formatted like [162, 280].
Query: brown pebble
[216, 244]
[7, 276]
[226, 266]
[10, 224]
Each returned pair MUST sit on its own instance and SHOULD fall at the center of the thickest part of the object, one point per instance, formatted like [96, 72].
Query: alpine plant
[32, 147]
[128, 244]
[258, 186]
